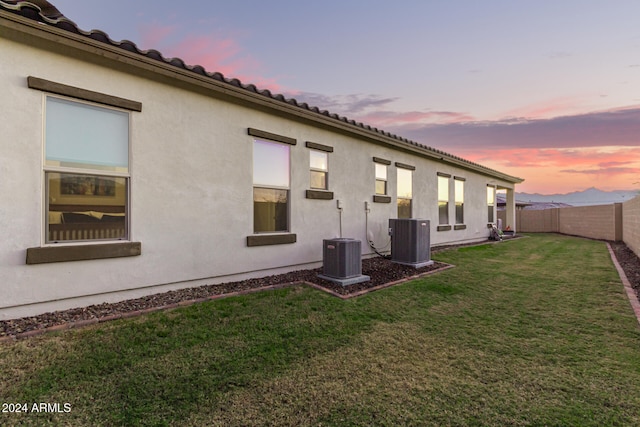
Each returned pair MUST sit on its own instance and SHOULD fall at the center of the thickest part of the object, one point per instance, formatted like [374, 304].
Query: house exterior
[127, 174]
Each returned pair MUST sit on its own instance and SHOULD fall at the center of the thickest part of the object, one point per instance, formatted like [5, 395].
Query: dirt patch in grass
[381, 271]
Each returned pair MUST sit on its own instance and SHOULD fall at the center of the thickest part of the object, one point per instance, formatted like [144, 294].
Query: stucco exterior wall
[191, 203]
[631, 224]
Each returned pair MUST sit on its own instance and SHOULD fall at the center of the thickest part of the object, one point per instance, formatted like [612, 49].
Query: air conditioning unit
[342, 261]
[410, 242]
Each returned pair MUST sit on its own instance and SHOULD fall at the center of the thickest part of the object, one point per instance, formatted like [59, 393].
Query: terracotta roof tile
[43, 11]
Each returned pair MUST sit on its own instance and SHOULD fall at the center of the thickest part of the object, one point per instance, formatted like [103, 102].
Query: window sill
[49, 254]
[444, 228]
[459, 227]
[381, 199]
[320, 194]
[271, 239]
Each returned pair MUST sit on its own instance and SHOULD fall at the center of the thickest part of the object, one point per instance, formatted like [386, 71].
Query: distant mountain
[588, 197]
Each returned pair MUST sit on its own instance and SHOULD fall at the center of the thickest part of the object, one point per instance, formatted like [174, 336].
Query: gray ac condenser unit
[342, 261]
[410, 242]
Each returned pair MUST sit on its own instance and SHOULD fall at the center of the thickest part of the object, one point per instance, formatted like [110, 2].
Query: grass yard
[534, 331]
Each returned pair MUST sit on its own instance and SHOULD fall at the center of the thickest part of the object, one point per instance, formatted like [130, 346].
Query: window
[381, 179]
[443, 200]
[270, 186]
[318, 164]
[405, 192]
[459, 199]
[86, 171]
[491, 200]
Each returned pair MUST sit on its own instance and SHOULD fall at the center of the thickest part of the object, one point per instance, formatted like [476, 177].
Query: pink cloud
[408, 118]
[548, 109]
[562, 170]
[154, 35]
[215, 54]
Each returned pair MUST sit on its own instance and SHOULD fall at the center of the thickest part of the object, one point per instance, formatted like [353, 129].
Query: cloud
[391, 119]
[215, 54]
[153, 35]
[559, 106]
[604, 171]
[348, 105]
[456, 132]
[616, 128]
[579, 158]
[561, 170]
[376, 110]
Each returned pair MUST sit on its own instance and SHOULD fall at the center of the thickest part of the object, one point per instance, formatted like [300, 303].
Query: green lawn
[534, 331]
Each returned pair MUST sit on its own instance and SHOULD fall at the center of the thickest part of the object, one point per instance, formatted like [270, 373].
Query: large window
[270, 186]
[491, 201]
[319, 166]
[405, 192]
[86, 171]
[459, 199]
[443, 200]
[381, 179]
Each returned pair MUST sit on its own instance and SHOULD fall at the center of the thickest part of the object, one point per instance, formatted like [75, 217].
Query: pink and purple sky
[548, 90]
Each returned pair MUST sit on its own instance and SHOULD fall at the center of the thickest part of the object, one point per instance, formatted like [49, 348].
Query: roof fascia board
[223, 89]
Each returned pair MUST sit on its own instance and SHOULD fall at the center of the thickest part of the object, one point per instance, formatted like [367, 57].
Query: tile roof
[45, 12]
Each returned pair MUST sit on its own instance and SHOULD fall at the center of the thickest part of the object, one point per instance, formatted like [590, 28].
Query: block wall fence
[615, 222]
[631, 224]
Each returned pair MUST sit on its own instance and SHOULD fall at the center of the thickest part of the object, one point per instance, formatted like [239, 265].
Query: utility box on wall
[342, 261]
[410, 242]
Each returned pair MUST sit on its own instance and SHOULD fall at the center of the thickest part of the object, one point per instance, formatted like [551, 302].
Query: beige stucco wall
[631, 224]
[542, 221]
[604, 222]
[596, 222]
[191, 190]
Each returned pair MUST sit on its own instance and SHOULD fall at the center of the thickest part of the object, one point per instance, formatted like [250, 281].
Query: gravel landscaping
[629, 262]
[382, 272]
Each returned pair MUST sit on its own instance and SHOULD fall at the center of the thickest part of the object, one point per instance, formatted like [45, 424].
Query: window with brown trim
[459, 199]
[270, 186]
[86, 171]
[405, 192]
[443, 200]
[319, 170]
[491, 202]
[381, 179]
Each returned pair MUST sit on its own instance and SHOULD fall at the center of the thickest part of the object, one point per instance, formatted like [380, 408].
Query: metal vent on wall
[342, 262]
[410, 241]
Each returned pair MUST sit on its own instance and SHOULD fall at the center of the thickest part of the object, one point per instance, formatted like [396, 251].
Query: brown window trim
[405, 166]
[319, 194]
[459, 178]
[272, 136]
[444, 228]
[271, 239]
[84, 94]
[444, 175]
[49, 254]
[320, 147]
[382, 161]
[381, 199]
[460, 227]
